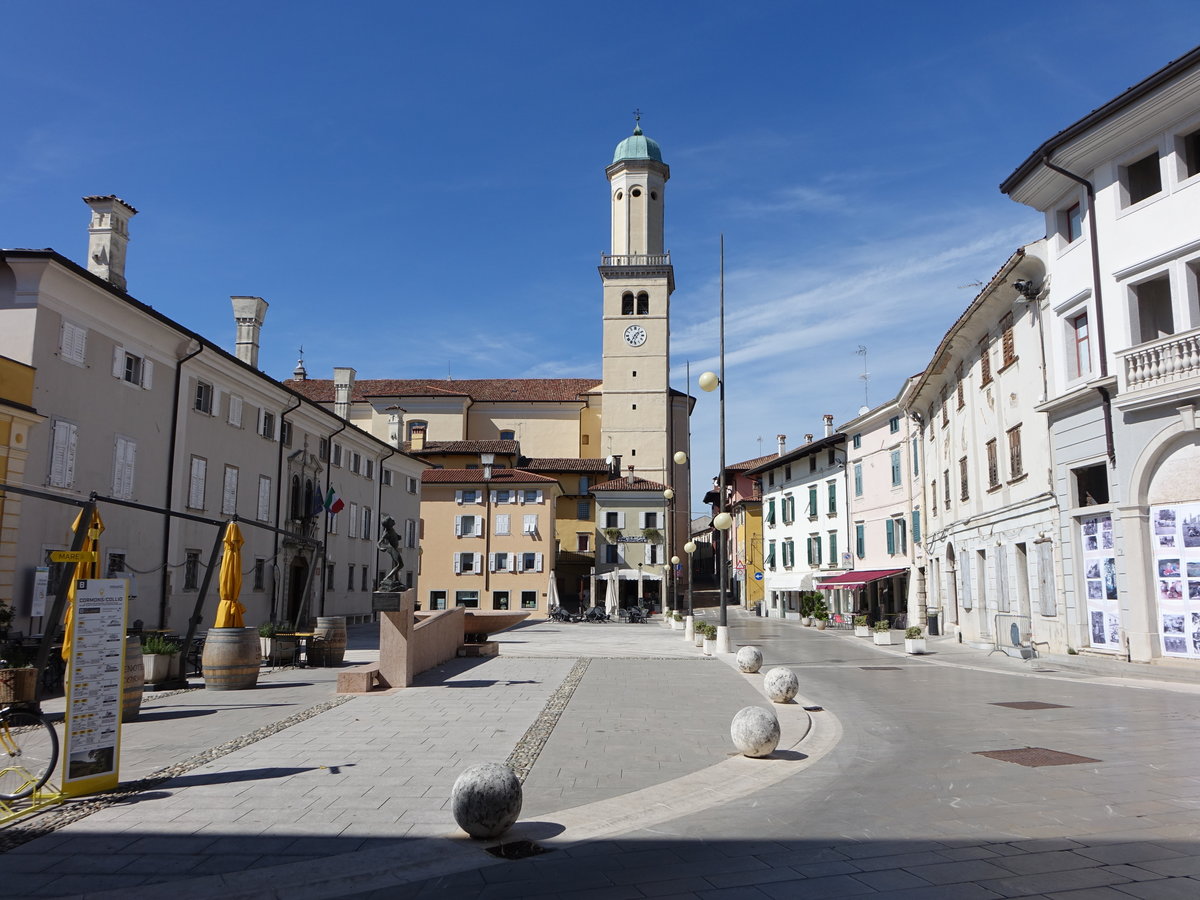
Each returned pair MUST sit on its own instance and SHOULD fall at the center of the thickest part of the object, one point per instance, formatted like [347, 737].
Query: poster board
[41, 584]
[95, 676]
[1100, 581]
[1175, 546]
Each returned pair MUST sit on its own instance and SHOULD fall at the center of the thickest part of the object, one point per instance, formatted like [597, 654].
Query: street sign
[741, 567]
[758, 576]
[73, 556]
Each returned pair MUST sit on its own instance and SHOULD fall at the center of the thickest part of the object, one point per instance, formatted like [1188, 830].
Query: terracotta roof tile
[511, 448]
[484, 390]
[750, 463]
[475, 476]
[564, 464]
[622, 484]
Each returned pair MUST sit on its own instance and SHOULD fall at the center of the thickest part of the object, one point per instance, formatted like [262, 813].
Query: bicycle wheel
[28, 753]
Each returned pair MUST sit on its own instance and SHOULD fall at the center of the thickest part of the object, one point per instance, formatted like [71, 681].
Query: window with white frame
[993, 464]
[530, 525]
[132, 368]
[467, 563]
[355, 462]
[894, 425]
[461, 497]
[263, 513]
[530, 562]
[499, 599]
[1070, 223]
[266, 424]
[649, 520]
[651, 554]
[437, 599]
[858, 480]
[529, 599]
[1016, 467]
[1141, 179]
[769, 561]
[366, 523]
[285, 432]
[812, 501]
[1079, 346]
[860, 539]
[233, 411]
[1152, 315]
[412, 485]
[410, 533]
[833, 548]
[531, 496]
[831, 492]
[501, 562]
[229, 490]
[72, 343]
[468, 526]
[203, 398]
[198, 473]
[385, 476]
[337, 454]
[352, 529]
[369, 469]
[503, 523]
[124, 456]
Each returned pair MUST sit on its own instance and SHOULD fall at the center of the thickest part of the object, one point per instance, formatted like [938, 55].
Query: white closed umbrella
[552, 593]
[612, 600]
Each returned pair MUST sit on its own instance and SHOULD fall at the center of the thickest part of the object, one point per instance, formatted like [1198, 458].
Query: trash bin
[758, 609]
[932, 622]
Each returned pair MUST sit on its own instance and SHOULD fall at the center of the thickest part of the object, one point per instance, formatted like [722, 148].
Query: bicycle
[28, 752]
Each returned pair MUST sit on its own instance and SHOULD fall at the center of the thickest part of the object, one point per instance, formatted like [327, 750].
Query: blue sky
[440, 169]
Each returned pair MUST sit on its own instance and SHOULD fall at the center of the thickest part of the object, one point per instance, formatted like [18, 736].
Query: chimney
[781, 440]
[343, 390]
[808, 439]
[629, 478]
[418, 438]
[828, 424]
[614, 466]
[248, 313]
[108, 236]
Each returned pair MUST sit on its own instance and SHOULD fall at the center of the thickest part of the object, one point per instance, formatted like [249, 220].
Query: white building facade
[1120, 191]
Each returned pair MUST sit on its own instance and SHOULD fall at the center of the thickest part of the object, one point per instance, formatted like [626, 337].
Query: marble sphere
[755, 732]
[749, 659]
[781, 684]
[486, 800]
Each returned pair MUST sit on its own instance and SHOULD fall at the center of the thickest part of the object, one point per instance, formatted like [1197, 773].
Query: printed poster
[1100, 581]
[95, 673]
[1175, 541]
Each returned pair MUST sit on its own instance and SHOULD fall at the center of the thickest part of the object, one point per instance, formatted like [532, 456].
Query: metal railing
[1014, 636]
[635, 259]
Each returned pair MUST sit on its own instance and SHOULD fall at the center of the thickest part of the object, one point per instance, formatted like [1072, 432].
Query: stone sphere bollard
[486, 800]
[781, 684]
[755, 732]
[749, 659]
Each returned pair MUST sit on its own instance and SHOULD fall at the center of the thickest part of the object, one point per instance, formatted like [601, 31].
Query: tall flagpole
[724, 620]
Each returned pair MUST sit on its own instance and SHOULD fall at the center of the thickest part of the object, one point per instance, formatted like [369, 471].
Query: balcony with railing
[617, 260]
[1158, 369]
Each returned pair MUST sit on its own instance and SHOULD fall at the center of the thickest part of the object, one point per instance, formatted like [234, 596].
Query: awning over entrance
[856, 579]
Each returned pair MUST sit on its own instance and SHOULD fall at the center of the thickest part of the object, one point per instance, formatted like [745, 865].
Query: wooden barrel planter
[134, 680]
[231, 659]
[329, 641]
[17, 685]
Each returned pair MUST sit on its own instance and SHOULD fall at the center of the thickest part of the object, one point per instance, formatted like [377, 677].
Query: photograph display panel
[1175, 540]
[1100, 581]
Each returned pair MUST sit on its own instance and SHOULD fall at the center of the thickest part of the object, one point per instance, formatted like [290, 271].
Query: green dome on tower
[638, 147]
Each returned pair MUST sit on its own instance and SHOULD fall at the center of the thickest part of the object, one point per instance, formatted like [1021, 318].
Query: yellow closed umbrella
[229, 610]
[83, 570]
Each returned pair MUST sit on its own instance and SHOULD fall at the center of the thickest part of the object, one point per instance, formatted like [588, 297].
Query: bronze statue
[389, 543]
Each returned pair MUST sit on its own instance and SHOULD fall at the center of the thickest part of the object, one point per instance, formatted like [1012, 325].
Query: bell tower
[637, 282]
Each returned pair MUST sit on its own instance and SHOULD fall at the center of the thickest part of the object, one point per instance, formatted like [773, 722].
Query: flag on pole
[333, 503]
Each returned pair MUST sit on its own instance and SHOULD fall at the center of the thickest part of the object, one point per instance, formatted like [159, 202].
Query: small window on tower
[627, 305]
[643, 304]
[654, 195]
[636, 192]
[620, 196]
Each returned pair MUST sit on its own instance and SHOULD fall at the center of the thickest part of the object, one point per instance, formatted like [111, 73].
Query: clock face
[635, 335]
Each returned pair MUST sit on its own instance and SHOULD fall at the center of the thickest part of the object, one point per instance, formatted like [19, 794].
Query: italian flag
[333, 503]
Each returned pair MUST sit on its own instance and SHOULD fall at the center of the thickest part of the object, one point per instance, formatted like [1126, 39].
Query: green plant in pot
[158, 655]
[883, 632]
[914, 640]
[613, 534]
[860, 627]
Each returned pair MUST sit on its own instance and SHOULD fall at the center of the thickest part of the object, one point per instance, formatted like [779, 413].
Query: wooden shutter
[620, 520]
[235, 411]
[502, 523]
[229, 491]
[196, 484]
[478, 563]
[73, 342]
[118, 368]
[537, 565]
[123, 462]
[479, 532]
[1002, 604]
[1045, 575]
[458, 497]
[916, 526]
[147, 374]
[458, 563]
[890, 524]
[264, 498]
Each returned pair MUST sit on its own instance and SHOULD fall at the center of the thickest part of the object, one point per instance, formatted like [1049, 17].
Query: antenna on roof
[759, 439]
[449, 377]
[865, 376]
[970, 284]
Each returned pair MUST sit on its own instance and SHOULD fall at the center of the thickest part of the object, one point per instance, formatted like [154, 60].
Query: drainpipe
[325, 525]
[278, 502]
[1101, 347]
[171, 442]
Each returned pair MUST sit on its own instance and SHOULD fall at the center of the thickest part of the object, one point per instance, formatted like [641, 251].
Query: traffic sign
[74, 556]
[758, 576]
[741, 567]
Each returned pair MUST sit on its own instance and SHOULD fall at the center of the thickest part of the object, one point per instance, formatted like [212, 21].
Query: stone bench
[359, 679]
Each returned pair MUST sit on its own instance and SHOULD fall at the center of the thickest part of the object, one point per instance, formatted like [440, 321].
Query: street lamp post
[709, 382]
[689, 548]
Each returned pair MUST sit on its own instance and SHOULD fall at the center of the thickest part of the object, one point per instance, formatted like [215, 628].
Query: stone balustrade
[1161, 362]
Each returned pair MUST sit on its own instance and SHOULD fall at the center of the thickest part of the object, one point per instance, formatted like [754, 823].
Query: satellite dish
[608, 460]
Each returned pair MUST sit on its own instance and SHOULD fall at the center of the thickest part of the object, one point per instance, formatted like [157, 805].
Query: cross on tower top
[637, 121]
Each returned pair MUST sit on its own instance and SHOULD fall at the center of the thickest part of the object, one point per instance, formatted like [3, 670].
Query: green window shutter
[812, 501]
[771, 512]
[858, 490]
[833, 557]
[916, 526]
[809, 544]
[817, 550]
[833, 499]
[891, 537]
[860, 540]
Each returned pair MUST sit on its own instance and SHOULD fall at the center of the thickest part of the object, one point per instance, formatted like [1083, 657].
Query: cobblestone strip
[525, 754]
[58, 817]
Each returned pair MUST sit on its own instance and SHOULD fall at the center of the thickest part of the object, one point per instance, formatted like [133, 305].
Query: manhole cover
[517, 850]
[1031, 704]
[880, 668]
[1036, 756]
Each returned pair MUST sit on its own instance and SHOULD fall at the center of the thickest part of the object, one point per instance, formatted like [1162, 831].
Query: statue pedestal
[395, 630]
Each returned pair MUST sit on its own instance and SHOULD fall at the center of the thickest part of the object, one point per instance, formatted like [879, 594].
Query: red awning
[856, 579]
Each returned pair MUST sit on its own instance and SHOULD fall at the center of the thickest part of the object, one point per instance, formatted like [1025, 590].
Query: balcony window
[1079, 348]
